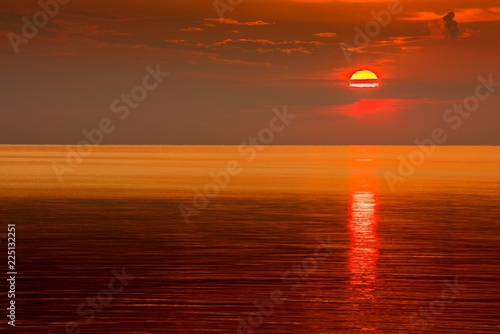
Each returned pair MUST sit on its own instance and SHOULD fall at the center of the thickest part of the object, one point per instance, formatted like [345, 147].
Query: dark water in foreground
[300, 240]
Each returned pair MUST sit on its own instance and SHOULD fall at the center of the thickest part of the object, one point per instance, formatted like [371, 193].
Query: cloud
[93, 30]
[465, 15]
[384, 48]
[448, 28]
[192, 29]
[245, 40]
[288, 47]
[422, 16]
[325, 34]
[371, 107]
[66, 30]
[176, 41]
[285, 50]
[238, 23]
[451, 25]
[218, 59]
[254, 45]
[268, 42]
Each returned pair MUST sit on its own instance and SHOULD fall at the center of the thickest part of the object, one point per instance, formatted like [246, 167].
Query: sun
[364, 79]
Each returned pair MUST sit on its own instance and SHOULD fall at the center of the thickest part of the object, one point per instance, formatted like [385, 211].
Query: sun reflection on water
[363, 252]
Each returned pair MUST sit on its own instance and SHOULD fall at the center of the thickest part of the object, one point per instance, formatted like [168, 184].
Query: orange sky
[226, 75]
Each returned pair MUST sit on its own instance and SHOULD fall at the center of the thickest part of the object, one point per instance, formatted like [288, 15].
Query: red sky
[226, 75]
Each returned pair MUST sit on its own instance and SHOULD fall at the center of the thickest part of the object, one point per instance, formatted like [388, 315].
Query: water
[298, 240]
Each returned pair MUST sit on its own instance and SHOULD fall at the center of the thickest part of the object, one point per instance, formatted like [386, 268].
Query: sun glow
[364, 79]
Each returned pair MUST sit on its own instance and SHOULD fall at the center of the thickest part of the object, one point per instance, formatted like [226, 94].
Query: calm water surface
[297, 240]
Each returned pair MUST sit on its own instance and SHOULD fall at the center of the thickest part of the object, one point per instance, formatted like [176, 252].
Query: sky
[231, 64]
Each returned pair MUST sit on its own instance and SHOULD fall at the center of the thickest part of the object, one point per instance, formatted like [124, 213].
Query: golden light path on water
[364, 244]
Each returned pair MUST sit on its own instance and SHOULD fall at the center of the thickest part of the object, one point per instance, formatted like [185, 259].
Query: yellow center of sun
[364, 79]
[364, 75]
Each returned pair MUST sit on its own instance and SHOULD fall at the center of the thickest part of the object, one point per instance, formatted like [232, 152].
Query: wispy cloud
[288, 47]
[285, 50]
[325, 34]
[192, 29]
[238, 23]
[268, 42]
[176, 41]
